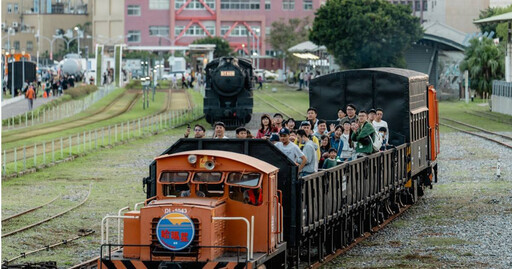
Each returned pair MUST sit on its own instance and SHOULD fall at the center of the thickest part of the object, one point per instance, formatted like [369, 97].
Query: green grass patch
[476, 114]
[277, 94]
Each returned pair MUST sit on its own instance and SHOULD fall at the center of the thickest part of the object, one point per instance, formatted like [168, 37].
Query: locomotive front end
[228, 92]
[208, 207]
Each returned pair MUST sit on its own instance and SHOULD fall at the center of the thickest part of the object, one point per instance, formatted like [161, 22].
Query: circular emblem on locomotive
[175, 231]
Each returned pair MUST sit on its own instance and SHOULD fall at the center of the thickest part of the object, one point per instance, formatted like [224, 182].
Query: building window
[9, 8]
[178, 30]
[159, 30]
[288, 4]
[267, 5]
[16, 45]
[308, 4]
[425, 5]
[159, 4]
[256, 30]
[194, 4]
[133, 36]
[30, 45]
[240, 4]
[195, 30]
[239, 30]
[210, 29]
[224, 29]
[267, 30]
[133, 10]
[271, 53]
[16, 8]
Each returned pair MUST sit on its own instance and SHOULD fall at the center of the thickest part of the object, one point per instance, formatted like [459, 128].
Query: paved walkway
[20, 107]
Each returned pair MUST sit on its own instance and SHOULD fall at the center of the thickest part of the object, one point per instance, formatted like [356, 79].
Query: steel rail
[284, 104]
[30, 210]
[474, 134]
[478, 128]
[375, 229]
[273, 106]
[47, 219]
[48, 247]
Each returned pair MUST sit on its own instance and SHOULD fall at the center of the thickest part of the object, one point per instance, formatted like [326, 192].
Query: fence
[20, 159]
[501, 99]
[59, 112]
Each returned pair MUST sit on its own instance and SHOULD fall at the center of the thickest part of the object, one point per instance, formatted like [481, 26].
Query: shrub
[80, 91]
[133, 84]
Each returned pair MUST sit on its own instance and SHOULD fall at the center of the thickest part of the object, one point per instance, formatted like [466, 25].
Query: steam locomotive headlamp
[192, 159]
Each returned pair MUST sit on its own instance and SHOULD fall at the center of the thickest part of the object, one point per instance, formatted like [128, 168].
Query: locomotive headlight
[192, 159]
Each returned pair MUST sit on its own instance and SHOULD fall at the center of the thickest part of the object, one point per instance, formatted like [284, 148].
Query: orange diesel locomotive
[240, 203]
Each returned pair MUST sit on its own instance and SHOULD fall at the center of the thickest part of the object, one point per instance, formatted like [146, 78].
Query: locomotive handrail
[250, 232]
[138, 204]
[119, 223]
[104, 222]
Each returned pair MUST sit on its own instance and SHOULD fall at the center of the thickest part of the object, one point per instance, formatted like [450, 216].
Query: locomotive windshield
[174, 177]
[207, 177]
[244, 179]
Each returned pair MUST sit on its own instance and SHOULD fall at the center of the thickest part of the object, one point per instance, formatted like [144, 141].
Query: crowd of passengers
[313, 145]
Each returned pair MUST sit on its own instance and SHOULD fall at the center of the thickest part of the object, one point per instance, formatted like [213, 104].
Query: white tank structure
[71, 65]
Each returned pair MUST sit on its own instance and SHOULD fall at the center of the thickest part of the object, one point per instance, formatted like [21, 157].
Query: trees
[366, 33]
[286, 34]
[222, 47]
[500, 29]
[485, 62]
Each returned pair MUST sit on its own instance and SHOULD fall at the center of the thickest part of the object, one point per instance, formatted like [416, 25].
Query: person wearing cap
[291, 150]
[371, 115]
[220, 129]
[241, 133]
[306, 126]
[309, 151]
[351, 114]
[274, 138]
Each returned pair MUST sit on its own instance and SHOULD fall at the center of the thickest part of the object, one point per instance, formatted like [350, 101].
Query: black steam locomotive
[228, 94]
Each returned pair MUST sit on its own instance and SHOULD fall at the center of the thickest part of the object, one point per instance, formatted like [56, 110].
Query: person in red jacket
[30, 95]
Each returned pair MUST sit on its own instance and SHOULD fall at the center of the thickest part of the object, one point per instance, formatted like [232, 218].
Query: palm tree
[485, 62]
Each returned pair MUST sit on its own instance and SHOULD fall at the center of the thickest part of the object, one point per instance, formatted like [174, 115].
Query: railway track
[360, 239]
[489, 116]
[29, 210]
[47, 219]
[498, 138]
[273, 106]
[283, 103]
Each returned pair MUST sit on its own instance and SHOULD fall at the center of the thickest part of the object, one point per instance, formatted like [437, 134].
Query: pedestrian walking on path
[30, 95]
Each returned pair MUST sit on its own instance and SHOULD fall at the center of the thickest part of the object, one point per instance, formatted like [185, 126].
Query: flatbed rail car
[309, 217]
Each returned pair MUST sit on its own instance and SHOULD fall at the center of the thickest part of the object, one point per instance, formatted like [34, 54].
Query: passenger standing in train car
[364, 135]
[309, 151]
[241, 133]
[199, 131]
[341, 114]
[348, 146]
[220, 130]
[331, 160]
[290, 124]
[293, 136]
[322, 129]
[379, 122]
[277, 123]
[306, 126]
[312, 115]
[325, 146]
[266, 127]
[351, 114]
[291, 150]
[371, 115]
[335, 139]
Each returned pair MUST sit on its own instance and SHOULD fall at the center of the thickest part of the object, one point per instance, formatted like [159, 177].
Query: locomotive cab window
[207, 177]
[249, 180]
[174, 177]
[251, 196]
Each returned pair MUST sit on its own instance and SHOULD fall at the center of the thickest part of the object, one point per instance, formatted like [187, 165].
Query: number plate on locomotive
[227, 73]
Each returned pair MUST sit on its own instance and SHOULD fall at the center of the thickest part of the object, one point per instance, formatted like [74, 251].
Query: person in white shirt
[378, 122]
[289, 149]
[220, 129]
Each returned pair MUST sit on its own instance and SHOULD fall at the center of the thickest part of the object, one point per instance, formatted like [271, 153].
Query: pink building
[238, 21]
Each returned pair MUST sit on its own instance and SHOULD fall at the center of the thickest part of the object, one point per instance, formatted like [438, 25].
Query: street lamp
[258, 47]
[55, 37]
[12, 72]
[79, 34]
[23, 67]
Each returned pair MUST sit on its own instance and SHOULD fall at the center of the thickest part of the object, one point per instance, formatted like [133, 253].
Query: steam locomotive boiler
[228, 93]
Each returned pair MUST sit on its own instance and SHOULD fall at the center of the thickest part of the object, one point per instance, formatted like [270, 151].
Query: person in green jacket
[362, 135]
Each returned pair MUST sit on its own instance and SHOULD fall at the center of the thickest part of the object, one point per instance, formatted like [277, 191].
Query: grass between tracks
[463, 112]
[91, 121]
[298, 100]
